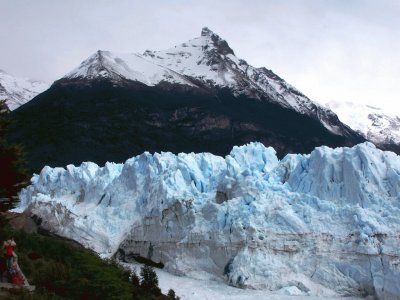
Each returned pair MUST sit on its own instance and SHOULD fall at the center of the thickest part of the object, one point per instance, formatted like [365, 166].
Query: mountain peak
[220, 44]
[208, 60]
[205, 31]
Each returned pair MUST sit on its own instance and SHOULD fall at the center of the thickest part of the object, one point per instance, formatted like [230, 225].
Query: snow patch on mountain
[105, 64]
[371, 122]
[325, 224]
[18, 91]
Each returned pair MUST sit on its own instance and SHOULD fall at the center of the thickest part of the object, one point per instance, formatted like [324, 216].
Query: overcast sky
[344, 50]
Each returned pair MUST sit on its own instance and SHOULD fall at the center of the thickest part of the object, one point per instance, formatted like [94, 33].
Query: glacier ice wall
[327, 223]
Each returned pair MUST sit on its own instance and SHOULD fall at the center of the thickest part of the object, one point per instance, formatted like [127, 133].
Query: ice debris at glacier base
[327, 223]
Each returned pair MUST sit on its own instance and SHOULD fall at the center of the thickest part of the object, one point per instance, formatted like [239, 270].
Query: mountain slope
[208, 61]
[18, 91]
[322, 224]
[114, 106]
[373, 123]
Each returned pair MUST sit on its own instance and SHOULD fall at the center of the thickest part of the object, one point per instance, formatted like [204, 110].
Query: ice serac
[18, 91]
[322, 224]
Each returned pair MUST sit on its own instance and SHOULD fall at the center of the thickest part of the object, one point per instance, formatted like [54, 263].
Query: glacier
[322, 224]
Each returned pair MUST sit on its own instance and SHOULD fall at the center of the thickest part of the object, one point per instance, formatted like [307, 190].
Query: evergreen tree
[149, 280]
[13, 173]
[171, 294]
[135, 279]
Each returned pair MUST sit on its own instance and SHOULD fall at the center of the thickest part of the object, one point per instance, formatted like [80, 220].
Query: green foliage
[171, 294]
[12, 164]
[4, 227]
[149, 280]
[62, 270]
[135, 279]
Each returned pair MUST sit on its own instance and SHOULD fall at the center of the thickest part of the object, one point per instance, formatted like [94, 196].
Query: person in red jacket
[9, 253]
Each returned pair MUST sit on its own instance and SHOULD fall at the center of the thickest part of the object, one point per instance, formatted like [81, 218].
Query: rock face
[18, 91]
[327, 223]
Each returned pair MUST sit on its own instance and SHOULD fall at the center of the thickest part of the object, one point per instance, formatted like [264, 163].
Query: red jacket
[9, 250]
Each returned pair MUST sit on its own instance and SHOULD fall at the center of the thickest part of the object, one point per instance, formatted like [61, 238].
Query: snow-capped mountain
[105, 64]
[324, 224]
[206, 60]
[18, 91]
[195, 97]
[373, 123]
